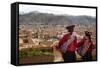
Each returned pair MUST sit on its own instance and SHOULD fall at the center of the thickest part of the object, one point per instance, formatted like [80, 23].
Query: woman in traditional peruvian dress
[86, 46]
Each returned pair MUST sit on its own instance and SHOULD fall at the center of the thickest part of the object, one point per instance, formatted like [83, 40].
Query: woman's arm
[81, 42]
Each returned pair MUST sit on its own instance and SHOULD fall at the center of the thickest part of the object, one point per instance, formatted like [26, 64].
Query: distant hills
[45, 18]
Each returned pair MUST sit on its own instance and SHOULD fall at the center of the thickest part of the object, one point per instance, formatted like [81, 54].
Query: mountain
[45, 18]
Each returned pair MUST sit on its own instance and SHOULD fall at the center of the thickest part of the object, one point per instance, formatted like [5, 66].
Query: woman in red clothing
[68, 44]
[87, 46]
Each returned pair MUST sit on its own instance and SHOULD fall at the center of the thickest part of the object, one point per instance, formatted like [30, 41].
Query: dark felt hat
[87, 33]
[70, 27]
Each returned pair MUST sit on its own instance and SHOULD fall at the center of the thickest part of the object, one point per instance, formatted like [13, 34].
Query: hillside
[45, 18]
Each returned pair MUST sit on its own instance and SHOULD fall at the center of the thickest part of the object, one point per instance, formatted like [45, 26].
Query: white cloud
[57, 10]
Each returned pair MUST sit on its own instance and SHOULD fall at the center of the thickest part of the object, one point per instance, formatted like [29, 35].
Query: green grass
[32, 52]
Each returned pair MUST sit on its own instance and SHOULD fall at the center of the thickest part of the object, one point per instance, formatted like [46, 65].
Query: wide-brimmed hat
[70, 27]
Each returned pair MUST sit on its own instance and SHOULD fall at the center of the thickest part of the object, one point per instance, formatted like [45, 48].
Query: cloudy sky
[57, 10]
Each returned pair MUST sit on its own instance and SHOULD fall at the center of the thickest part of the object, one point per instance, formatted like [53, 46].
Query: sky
[58, 10]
